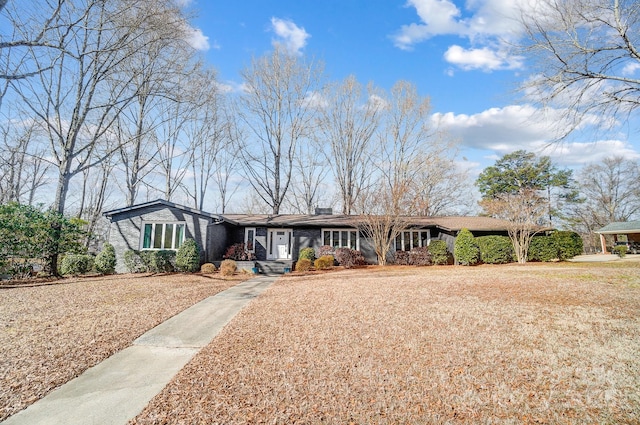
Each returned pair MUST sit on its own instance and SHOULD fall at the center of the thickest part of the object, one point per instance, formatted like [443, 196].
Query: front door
[279, 244]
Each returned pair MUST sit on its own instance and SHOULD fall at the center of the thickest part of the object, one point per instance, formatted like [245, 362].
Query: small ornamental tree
[188, 257]
[466, 250]
[105, 262]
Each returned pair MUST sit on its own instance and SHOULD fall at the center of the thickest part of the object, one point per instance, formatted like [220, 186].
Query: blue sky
[453, 51]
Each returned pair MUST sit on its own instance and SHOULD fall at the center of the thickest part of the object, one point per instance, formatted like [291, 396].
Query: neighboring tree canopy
[584, 53]
[523, 170]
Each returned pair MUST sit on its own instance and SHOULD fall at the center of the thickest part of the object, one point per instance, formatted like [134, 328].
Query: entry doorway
[279, 243]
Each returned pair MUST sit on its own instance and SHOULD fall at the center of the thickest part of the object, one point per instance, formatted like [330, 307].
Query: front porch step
[264, 267]
[274, 267]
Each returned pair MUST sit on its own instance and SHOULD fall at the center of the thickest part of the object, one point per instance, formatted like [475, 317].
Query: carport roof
[620, 227]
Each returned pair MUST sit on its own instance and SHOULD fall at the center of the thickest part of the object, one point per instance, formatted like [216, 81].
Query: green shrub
[162, 261]
[307, 253]
[542, 248]
[105, 261]
[439, 252]
[495, 249]
[133, 262]
[188, 257]
[568, 244]
[620, 251]
[465, 249]
[324, 262]
[75, 264]
[228, 267]
[208, 268]
[303, 265]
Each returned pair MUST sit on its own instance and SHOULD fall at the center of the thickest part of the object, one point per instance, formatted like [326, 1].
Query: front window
[341, 238]
[163, 235]
[250, 239]
[410, 239]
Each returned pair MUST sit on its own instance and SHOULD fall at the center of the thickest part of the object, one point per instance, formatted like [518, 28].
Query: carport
[631, 229]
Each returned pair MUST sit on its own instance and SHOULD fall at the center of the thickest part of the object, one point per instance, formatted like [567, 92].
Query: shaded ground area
[551, 343]
[50, 334]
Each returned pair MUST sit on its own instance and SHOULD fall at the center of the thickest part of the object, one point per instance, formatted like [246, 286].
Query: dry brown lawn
[51, 333]
[547, 344]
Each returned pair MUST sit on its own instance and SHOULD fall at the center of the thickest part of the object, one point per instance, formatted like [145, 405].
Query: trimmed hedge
[307, 253]
[150, 261]
[465, 249]
[105, 262]
[188, 257]
[496, 249]
[75, 264]
[324, 262]
[303, 265]
[439, 252]
[560, 245]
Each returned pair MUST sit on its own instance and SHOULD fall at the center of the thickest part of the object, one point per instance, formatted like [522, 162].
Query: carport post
[603, 243]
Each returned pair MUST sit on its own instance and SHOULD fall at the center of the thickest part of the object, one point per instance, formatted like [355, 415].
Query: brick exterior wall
[125, 230]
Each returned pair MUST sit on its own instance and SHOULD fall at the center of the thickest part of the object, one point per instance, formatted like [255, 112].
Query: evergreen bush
[75, 264]
[133, 262]
[162, 261]
[439, 252]
[105, 262]
[542, 248]
[465, 249]
[308, 253]
[569, 244]
[496, 249]
[324, 262]
[188, 257]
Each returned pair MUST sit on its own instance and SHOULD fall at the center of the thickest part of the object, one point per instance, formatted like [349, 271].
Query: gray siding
[125, 229]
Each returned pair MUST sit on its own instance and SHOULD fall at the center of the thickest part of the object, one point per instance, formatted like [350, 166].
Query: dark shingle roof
[297, 220]
[111, 213]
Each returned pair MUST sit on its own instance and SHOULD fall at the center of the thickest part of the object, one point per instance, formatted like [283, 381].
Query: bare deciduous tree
[525, 210]
[585, 53]
[611, 192]
[277, 109]
[348, 119]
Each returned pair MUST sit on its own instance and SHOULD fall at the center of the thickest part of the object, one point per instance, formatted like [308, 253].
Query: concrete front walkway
[117, 389]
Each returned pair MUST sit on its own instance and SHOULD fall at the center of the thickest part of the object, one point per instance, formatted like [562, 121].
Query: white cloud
[484, 59]
[291, 36]
[499, 131]
[630, 68]
[489, 24]
[197, 39]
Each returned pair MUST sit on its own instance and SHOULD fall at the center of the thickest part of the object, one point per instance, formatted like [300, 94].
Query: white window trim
[411, 232]
[164, 228]
[341, 229]
[246, 238]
